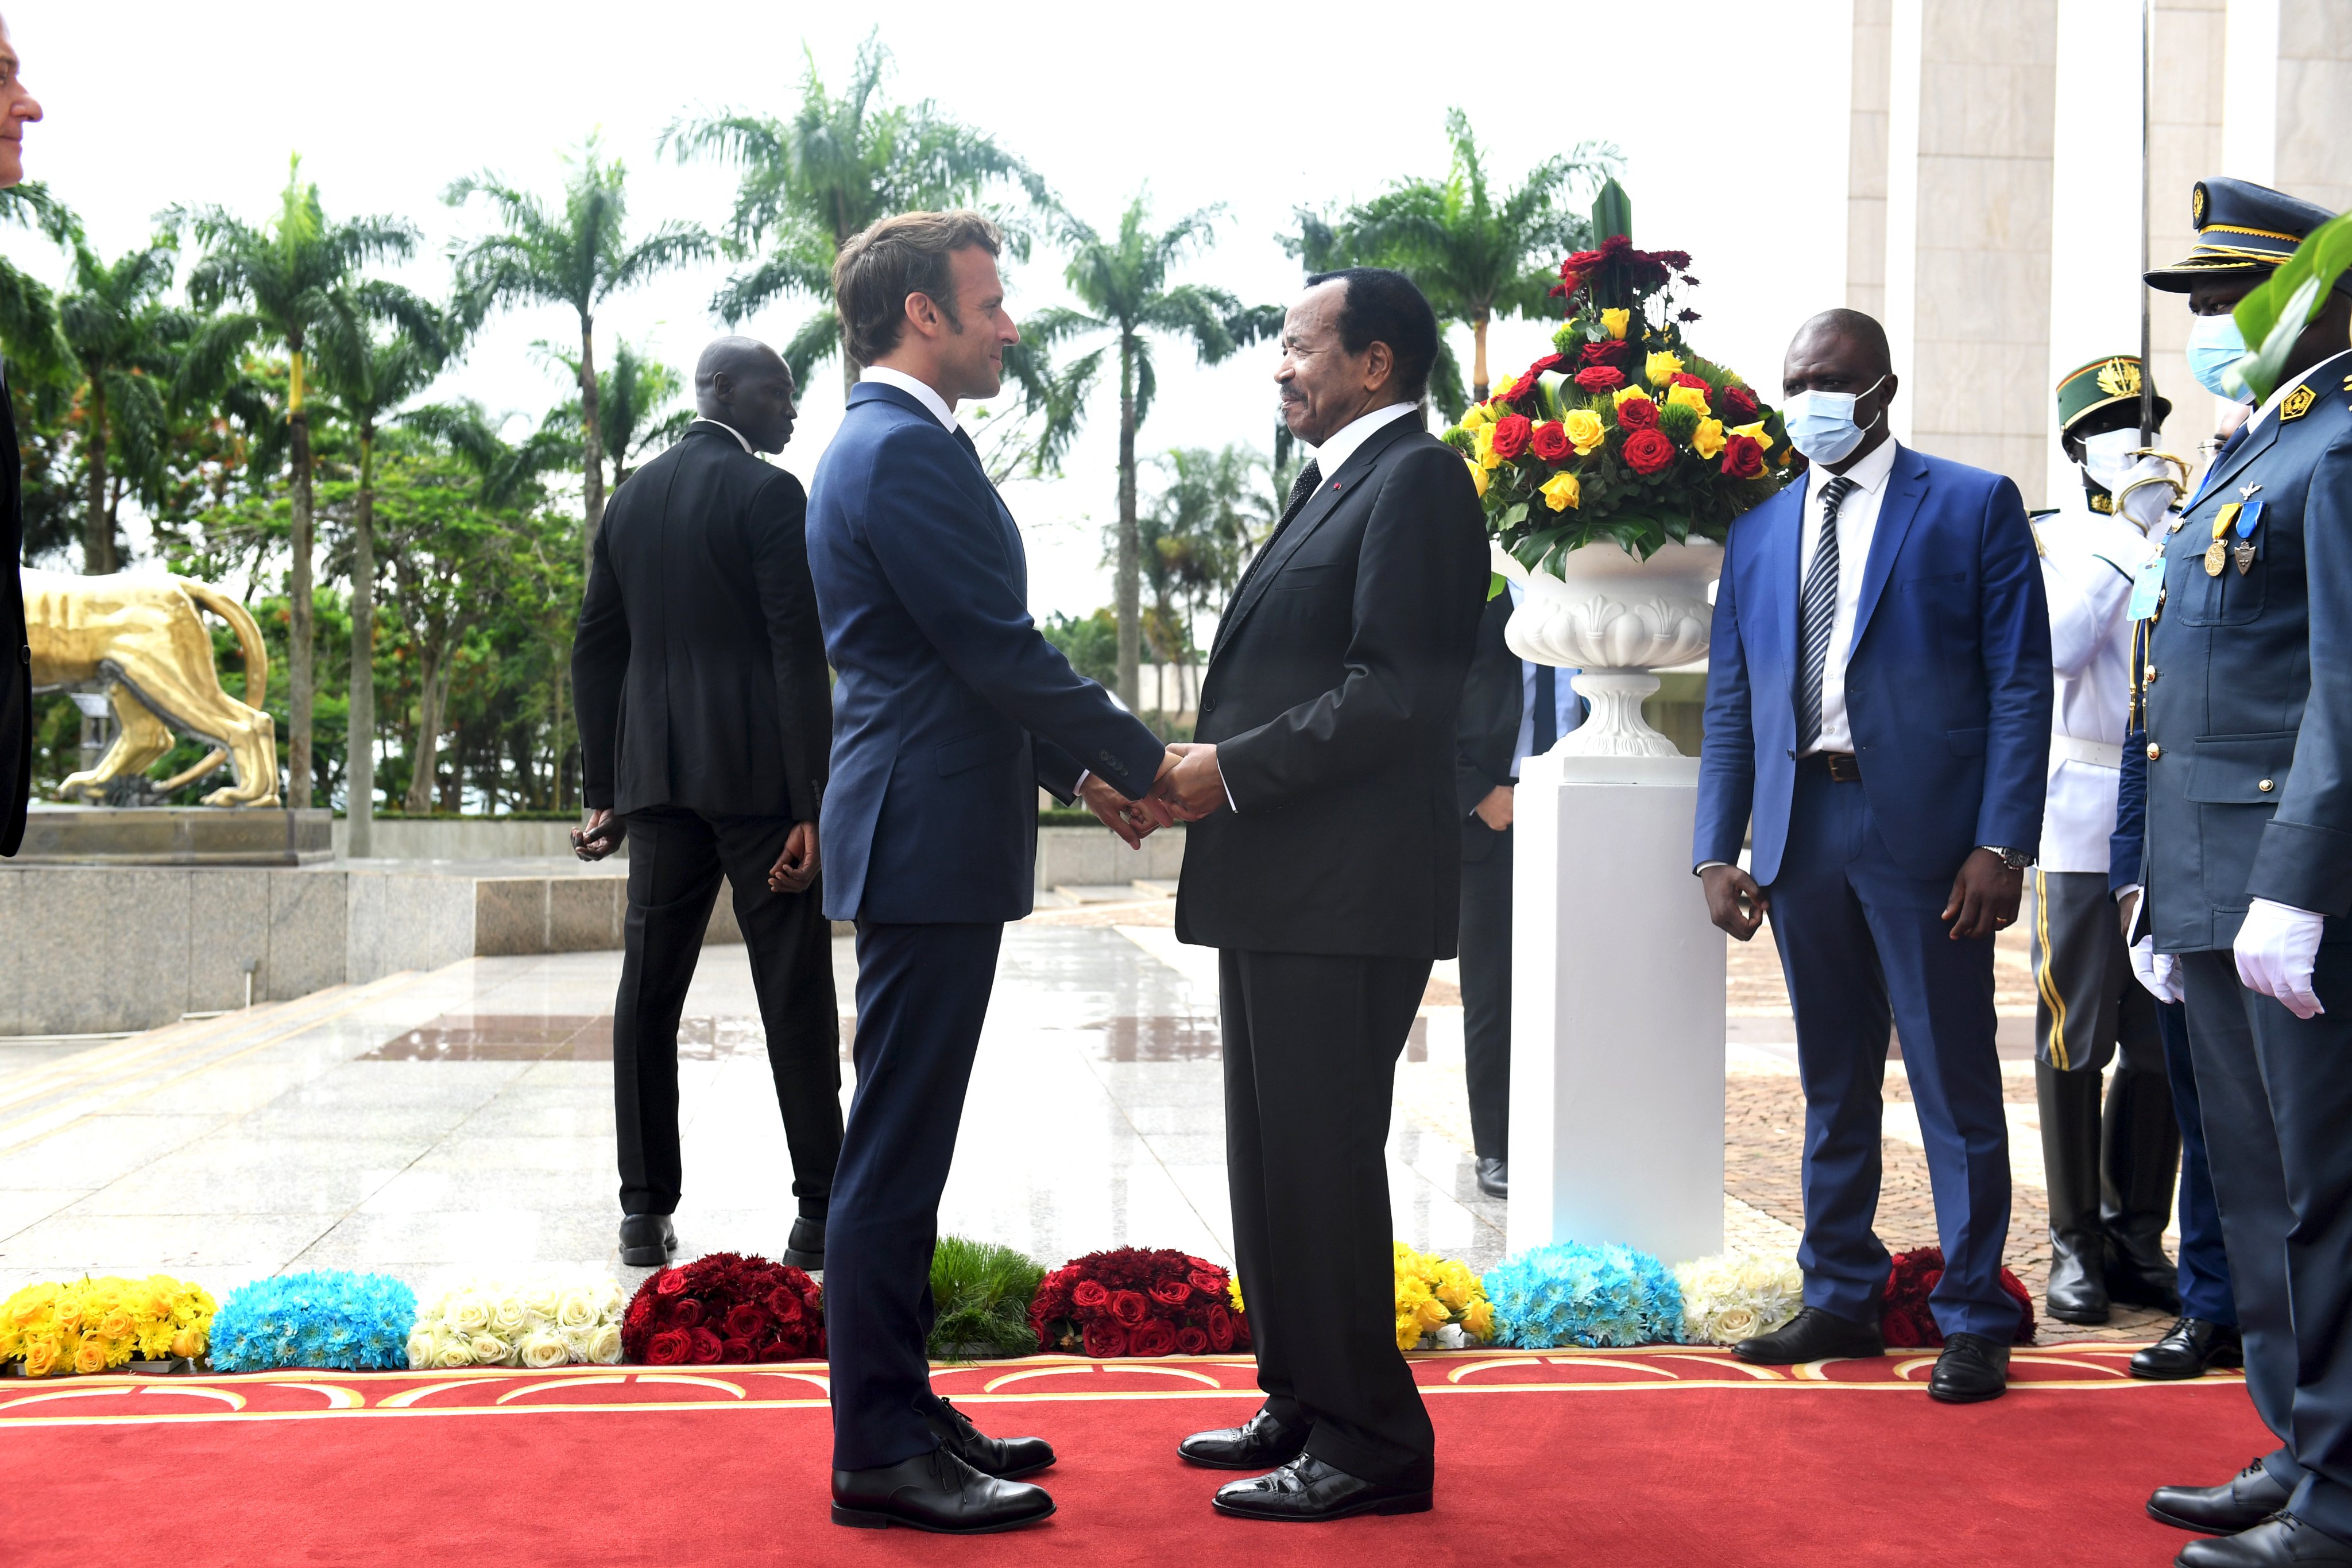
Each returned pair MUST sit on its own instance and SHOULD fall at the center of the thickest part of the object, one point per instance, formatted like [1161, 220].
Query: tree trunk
[422, 755]
[359, 744]
[97, 526]
[592, 443]
[453, 789]
[298, 674]
[1130, 583]
[555, 791]
[1478, 359]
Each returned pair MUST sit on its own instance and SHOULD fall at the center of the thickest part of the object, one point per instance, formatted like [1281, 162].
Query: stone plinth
[177, 836]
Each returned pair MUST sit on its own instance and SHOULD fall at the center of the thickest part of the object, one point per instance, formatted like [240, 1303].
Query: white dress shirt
[1341, 445]
[2088, 562]
[706, 419]
[921, 392]
[2310, 378]
[1857, 524]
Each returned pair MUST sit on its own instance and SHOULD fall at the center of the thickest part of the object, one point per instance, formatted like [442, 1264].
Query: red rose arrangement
[1511, 434]
[1743, 458]
[1740, 403]
[1637, 413]
[1904, 1315]
[1135, 1301]
[1549, 441]
[1648, 451]
[724, 1309]
[1600, 378]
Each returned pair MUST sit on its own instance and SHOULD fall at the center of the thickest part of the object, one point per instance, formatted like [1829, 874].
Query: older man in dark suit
[16, 108]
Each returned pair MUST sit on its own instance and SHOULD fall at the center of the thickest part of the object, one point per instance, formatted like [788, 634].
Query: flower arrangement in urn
[1135, 1301]
[724, 1308]
[1623, 432]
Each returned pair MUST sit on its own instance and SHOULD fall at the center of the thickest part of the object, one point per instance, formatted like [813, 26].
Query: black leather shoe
[1972, 1368]
[938, 1493]
[2241, 1502]
[1004, 1457]
[1308, 1492]
[1495, 1177]
[806, 1249]
[1813, 1334]
[2281, 1538]
[2190, 1348]
[647, 1240]
[1260, 1444]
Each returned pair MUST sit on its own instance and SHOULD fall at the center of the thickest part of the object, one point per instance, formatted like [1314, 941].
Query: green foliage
[2274, 315]
[1090, 643]
[981, 1293]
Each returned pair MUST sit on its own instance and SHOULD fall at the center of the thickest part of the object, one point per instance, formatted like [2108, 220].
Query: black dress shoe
[1260, 1444]
[1004, 1457]
[806, 1249]
[1813, 1334]
[935, 1491]
[647, 1240]
[2077, 1292]
[1972, 1368]
[1308, 1492]
[2241, 1502]
[1494, 1178]
[2190, 1348]
[2281, 1538]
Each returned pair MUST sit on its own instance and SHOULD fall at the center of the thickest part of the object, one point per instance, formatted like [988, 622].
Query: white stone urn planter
[1614, 618]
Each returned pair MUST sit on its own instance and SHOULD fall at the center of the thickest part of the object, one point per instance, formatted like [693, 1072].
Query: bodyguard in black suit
[705, 719]
[1324, 863]
[17, 107]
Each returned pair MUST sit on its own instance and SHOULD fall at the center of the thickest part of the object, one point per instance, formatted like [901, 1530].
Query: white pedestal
[1617, 1002]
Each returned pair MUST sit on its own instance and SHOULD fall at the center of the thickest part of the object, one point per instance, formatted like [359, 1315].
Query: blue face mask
[2214, 345]
[1821, 425]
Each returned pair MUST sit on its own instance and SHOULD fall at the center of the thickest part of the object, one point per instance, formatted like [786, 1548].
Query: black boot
[2140, 1149]
[806, 1247]
[2077, 1292]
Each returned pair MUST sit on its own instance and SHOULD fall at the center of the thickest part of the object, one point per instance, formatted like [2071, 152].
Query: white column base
[1617, 1000]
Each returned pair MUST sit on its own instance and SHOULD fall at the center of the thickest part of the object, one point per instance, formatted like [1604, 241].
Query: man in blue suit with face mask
[1879, 694]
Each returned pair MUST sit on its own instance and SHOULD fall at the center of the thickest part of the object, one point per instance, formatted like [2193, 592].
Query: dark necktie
[1817, 613]
[1309, 480]
[2237, 438]
[964, 440]
[1546, 714]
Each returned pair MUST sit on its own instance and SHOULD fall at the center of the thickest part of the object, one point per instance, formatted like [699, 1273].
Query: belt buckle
[1843, 769]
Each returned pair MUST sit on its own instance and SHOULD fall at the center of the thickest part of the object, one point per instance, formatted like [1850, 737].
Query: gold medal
[2217, 555]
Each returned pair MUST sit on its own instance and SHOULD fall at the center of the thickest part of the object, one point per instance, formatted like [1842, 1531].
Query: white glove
[2276, 948]
[2147, 506]
[2159, 973]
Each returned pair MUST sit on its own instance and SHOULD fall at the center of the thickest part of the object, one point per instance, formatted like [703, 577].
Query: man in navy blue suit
[950, 709]
[1879, 705]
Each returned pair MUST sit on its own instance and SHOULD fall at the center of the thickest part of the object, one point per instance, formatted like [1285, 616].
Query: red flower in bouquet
[736, 1352]
[1087, 1295]
[1648, 451]
[1640, 413]
[1129, 1308]
[1511, 432]
[708, 1346]
[1172, 1292]
[1517, 389]
[1208, 1281]
[1905, 1319]
[1106, 1338]
[724, 1307]
[1549, 441]
[1743, 457]
[1152, 1336]
[668, 1348]
[1134, 1302]
[1685, 379]
[1191, 1341]
[1740, 403]
[1600, 378]
[685, 1313]
[670, 1282]
[747, 1322]
[1219, 1322]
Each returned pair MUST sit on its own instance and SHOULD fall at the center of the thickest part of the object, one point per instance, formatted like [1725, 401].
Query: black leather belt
[1840, 766]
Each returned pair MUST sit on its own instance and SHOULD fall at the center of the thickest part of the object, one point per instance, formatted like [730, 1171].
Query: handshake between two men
[1187, 788]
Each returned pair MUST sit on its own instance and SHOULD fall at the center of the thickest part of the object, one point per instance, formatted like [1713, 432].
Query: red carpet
[1618, 1458]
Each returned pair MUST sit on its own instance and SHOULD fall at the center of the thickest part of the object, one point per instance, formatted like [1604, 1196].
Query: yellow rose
[90, 1356]
[69, 1313]
[1486, 458]
[1661, 367]
[1754, 433]
[1708, 439]
[40, 1357]
[1477, 477]
[1690, 398]
[1561, 491]
[1615, 322]
[1584, 430]
[118, 1324]
[1475, 416]
[1478, 1322]
[1633, 394]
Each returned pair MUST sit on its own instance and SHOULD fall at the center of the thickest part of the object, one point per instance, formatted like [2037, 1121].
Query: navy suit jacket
[951, 707]
[1947, 688]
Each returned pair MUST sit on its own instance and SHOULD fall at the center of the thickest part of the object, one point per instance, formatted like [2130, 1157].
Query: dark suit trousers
[2204, 1274]
[922, 996]
[2278, 1100]
[1311, 1044]
[1487, 991]
[1864, 944]
[675, 859]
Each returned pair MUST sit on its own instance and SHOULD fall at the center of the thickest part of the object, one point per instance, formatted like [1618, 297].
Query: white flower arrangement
[1735, 1296]
[550, 1319]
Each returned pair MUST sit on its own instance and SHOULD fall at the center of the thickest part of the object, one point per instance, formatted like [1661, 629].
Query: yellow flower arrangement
[1708, 439]
[1485, 447]
[91, 1324]
[1691, 398]
[1433, 1294]
[1754, 433]
[1233, 1289]
[1614, 323]
[1663, 367]
[1561, 491]
[1476, 414]
[1477, 477]
[1584, 429]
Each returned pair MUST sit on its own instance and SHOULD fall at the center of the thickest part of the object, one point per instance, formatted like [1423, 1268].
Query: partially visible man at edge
[16, 108]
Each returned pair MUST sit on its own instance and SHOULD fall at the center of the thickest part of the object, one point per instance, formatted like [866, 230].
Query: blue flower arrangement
[1570, 1293]
[349, 1322]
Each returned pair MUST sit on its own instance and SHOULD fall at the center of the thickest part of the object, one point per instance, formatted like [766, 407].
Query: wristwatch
[2015, 860]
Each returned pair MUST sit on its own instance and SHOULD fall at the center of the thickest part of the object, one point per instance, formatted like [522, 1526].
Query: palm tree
[368, 375]
[1474, 255]
[839, 164]
[293, 280]
[28, 312]
[1122, 282]
[632, 408]
[122, 337]
[1213, 508]
[581, 258]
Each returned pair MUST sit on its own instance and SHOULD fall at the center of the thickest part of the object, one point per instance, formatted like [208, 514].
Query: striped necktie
[1309, 480]
[1818, 613]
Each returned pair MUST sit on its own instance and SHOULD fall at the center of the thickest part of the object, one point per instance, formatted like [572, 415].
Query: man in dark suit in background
[1325, 865]
[704, 719]
[16, 108]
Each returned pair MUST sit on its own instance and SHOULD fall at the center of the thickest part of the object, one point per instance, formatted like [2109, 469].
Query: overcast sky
[1732, 118]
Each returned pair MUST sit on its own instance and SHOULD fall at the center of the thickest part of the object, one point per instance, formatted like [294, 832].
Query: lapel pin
[2247, 491]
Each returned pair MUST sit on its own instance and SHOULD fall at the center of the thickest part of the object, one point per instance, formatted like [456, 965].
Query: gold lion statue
[140, 637]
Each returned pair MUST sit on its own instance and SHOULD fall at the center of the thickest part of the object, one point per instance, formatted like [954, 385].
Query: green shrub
[982, 1292]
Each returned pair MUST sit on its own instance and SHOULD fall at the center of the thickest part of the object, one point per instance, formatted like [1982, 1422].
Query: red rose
[669, 1347]
[1638, 414]
[1896, 1328]
[1743, 458]
[1105, 1339]
[1517, 389]
[1740, 402]
[706, 1346]
[1088, 1295]
[685, 1313]
[1685, 379]
[1648, 451]
[1129, 1308]
[1172, 1292]
[1549, 441]
[747, 1322]
[1511, 434]
[1600, 378]
[640, 1315]
[1220, 1327]
[1607, 351]
[1208, 1281]
[1191, 1341]
[670, 1282]
[1242, 1330]
[735, 1351]
[778, 1349]
[1152, 1336]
